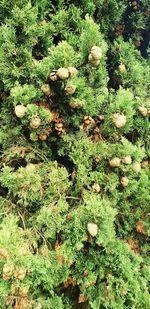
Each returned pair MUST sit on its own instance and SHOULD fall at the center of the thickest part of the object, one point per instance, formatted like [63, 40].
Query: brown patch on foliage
[119, 30]
[134, 244]
[82, 298]
[140, 227]
[56, 117]
[96, 136]
[43, 104]
[60, 260]
[70, 281]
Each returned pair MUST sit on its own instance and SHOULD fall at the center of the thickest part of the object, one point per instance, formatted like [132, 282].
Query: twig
[22, 220]
[73, 198]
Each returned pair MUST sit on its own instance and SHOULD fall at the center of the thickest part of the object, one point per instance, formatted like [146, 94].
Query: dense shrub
[74, 138]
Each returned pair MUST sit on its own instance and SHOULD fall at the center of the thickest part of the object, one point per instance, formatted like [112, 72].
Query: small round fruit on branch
[94, 62]
[59, 127]
[88, 120]
[72, 71]
[136, 167]
[143, 111]
[137, 42]
[126, 160]
[92, 229]
[24, 249]
[7, 271]
[53, 76]
[6, 277]
[43, 136]
[20, 110]
[62, 73]
[144, 164]
[4, 253]
[95, 53]
[70, 89]
[115, 162]
[119, 120]
[96, 188]
[134, 3]
[35, 122]
[46, 90]
[122, 68]
[135, 7]
[124, 181]
[101, 117]
[20, 273]
[23, 291]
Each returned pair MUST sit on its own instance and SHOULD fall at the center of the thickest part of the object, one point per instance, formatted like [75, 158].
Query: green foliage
[24, 94]
[74, 149]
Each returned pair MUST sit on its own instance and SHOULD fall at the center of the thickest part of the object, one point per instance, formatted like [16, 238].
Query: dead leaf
[69, 216]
